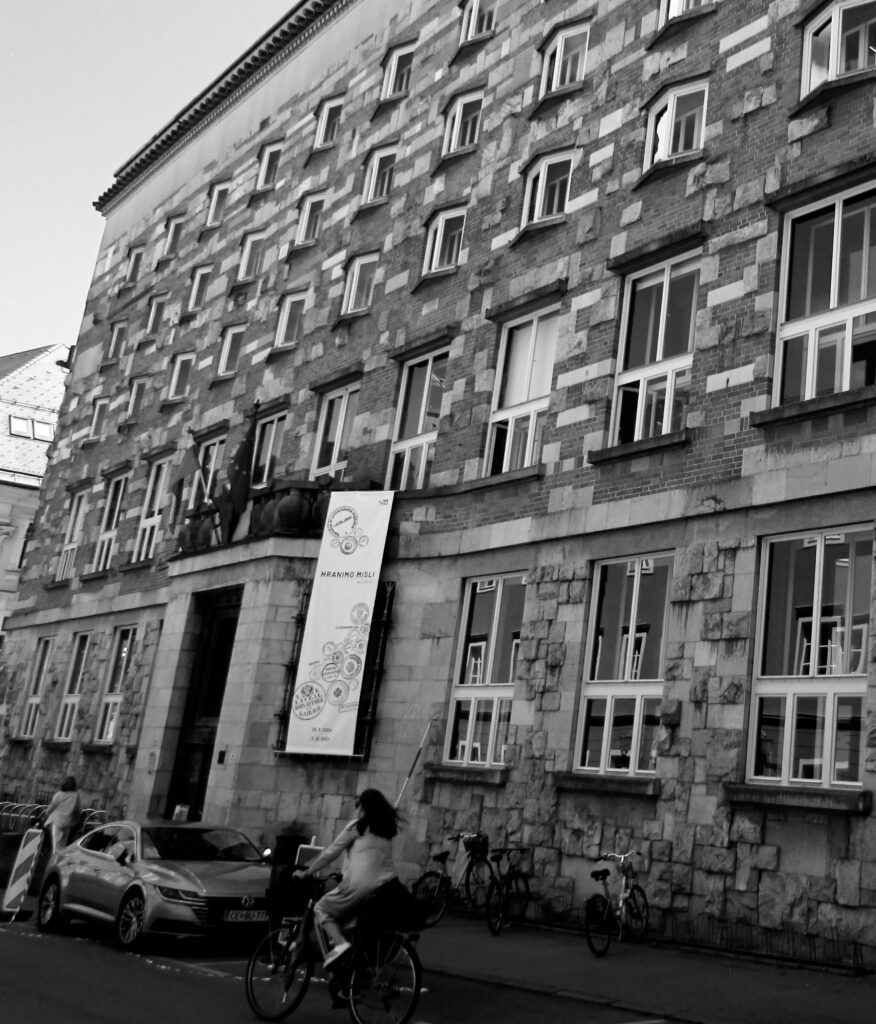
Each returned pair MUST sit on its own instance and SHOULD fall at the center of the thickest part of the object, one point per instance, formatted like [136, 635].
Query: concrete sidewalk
[650, 979]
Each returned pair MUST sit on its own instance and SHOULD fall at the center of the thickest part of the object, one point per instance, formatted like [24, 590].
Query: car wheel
[129, 923]
[49, 916]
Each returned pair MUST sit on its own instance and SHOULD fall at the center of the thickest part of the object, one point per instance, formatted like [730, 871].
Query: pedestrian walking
[62, 812]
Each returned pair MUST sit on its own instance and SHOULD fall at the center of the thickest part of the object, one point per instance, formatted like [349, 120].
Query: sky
[85, 83]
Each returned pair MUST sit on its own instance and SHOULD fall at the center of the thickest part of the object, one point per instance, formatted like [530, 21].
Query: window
[359, 289]
[290, 327]
[153, 506]
[98, 417]
[157, 307]
[73, 687]
[675, 124]
[232, 343]
[462, 122]
[43, 431]
[564, 59]
[120, 667]
[813, 648]
[118, 339]
[219, 194]
[653, 385]
[328, 122]
[674, 8]
[547, 188]
[173, 236]
[180, 375]
[135, 264]
[39, 430]
[480, 705]
[444, 241]
[840, 41]
[72, 536]
[252, 260]
[478, 18]
[623, 684]
[827, 335]
[19, 426]
[116, 489]
[35, 687]
[266, 450]
[524, 386]
[397, 72]
[135, 398]
[269, 165]
[210, 456]
[336, 419]
[379, 172]
[310, 218]
[200, 283]
[424, 382]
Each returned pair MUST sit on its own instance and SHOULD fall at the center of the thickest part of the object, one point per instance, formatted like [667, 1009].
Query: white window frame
[124, 640]
[231, 337]
[307, 231]
[378, 180]
[118, 339]
[134, 267]
[646, 693]
[36, 686]
[179, 361]
[20, 426]
[153, 509]
[478, 19]
[73, 534]
[138, 389]
[80, 653]
[414, 453]
[531, 412]
[286, 304]
[444, 240]
[831, 685]
[116, 489]
[556, 73]
[269, 166]
[266, 449]
[839, 319]
[396, 79]
[337, 445]
[478, 660]
[173, 230]
[355, 299]
[157, 312]
[211, 454]
[200, 283]
[43, 430]
[219, 195]
[674, 369]
[670, 9]
[100, 408]
[657, 149]
[325, 122]
[250, 241]
[457, 125]
[541, 200]
[830, 19]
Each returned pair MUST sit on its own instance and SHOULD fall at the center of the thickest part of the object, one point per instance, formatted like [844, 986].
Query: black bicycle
[508, 895]
[469, 882]
[605, 917]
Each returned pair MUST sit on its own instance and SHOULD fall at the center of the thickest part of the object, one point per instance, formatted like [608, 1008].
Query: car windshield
[169, 843]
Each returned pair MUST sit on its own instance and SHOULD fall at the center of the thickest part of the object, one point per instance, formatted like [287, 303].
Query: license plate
[245, 915]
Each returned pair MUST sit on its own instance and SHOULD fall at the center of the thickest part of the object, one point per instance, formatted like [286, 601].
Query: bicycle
[469, 882]
[508, 895]
[604, 918]
[378, 980]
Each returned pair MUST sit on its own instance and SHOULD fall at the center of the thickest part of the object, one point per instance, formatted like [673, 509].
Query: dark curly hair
[378, 814]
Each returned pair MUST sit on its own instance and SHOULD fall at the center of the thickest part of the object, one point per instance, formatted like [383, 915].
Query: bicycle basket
[477, 845]
[288, 893]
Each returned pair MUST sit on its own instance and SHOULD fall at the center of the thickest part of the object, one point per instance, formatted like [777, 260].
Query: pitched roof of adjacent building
[31, 387]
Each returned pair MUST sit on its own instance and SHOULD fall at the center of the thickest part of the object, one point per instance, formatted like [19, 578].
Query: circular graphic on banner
[360, 613]
[348, 545]
[308, 701]
[331, 671]
[337, 693]
[342, 522]
[351, 667]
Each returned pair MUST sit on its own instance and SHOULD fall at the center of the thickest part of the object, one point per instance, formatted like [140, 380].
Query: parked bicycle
[508, 894]
[605, 917]
[469, 882]
[378, 980]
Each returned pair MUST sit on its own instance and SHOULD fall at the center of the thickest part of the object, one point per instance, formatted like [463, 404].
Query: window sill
[514, 476]
[812, 408]
[471, 46]
[346, 319]
[220, 379]
[144, 563]
[149, 339]
[614, 785]
[297, 247]
[835, 87]
[258, 194]
[126, 286]
[434, 275]
[279, 351]
[678, 24]
[242, 284]
[96, 747]
[126, 424]
[372, 204]
[20, 741]
[633, 449]
[90, 577]
[56, 584]
[90, 442]
[448, 159]
[388, 103]
[188, 316]
[162, 262]
[171, 403]
[667, 167]
[550, 100]
[107, 364]
[466, 774]
[826, 801]
[57, 744]
[537, 226]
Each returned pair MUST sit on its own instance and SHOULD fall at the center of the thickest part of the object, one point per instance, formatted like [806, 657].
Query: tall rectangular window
[379, 172]
[173, 232]
[336, 420]
[359, 288]
[564, 58]
[210, 456]
[462, 121]
[118, 339]
[181, 375]
[328, 122]
[269, 166]
[253, 258]
[624, 679]
[290, 326]
[218, 202]
[444, 241]
[135, 397]
[36, 687]
[73, 686]
[153, 506]
[268, 439]
[198, 291]
[114, 688]
[547, 188]
[838, 40]
[676, 123]
[479, 722]
[520, 402]
[135, 264]
[424, 382]
[72, 535]
[116, 489]
[99, 411]
[397, 72]
[232, 345]
[157, 308]
[310, 218]
[813, 655]
[478, 18]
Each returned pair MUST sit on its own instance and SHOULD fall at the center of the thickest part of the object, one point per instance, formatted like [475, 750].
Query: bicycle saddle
[601, 875]
[441, 857]
[497, 855]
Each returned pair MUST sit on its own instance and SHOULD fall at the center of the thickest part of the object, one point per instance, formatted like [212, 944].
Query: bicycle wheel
[430, 890]
[496, 907]
[598, 924]
[636, 913]
[516, 895]
[478, 875]
[385, 981]
[277, 975]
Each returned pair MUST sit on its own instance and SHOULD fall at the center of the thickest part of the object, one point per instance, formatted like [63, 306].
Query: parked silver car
[160, 877]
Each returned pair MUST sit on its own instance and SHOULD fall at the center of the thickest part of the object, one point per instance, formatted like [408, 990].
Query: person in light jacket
[62, 812]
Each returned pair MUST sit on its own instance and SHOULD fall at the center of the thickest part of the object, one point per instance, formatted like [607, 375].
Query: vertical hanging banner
[325, 701]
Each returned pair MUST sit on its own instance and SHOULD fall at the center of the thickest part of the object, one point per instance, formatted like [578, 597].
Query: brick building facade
[590, 286]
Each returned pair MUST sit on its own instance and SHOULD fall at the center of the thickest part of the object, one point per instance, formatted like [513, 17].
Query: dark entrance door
[218, 613]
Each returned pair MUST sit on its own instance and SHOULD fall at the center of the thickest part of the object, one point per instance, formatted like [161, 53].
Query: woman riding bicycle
[367, 841]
